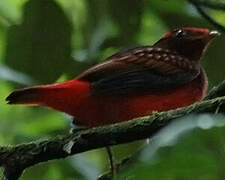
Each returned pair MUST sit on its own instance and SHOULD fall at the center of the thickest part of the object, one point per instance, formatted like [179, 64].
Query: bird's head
[189, 42]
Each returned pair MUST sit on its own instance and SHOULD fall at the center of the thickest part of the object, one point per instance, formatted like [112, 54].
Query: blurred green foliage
[43, 41]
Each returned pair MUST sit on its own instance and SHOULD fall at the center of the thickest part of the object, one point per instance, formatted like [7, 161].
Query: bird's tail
[27, 96]
[65, 96]
[39, 95]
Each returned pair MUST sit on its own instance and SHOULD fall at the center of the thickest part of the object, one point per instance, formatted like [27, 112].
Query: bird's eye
[180, 33]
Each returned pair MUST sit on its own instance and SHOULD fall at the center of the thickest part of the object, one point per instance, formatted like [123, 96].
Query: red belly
[96, 111]
[74, 98]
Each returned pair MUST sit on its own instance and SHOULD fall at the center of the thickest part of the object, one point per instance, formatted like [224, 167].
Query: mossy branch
[14, 159]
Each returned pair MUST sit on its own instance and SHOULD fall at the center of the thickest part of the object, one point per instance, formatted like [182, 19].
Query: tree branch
[15, 159]
[217, 91]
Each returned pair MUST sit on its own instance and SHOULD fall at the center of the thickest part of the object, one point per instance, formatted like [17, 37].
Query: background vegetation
[44, 41]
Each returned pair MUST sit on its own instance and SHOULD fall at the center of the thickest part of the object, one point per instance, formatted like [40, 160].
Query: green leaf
[10, 75]
[199, 156]
[10, 10]
[40, 46]
[127, 15]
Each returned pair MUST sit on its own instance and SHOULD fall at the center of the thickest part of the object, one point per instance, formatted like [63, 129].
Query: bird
[131, 83]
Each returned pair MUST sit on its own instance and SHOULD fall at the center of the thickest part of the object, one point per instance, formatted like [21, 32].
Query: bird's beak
[207, 38]
[213, 34]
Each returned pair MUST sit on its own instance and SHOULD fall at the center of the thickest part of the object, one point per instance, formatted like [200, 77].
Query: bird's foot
[76, 127]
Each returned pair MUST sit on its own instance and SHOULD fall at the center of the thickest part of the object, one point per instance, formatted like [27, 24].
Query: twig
[211, 4]
[206, 16]
[111, 161]
[216, 91]
[119, 166]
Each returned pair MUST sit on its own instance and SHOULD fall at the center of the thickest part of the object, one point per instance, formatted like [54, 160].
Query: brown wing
[139, 69]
